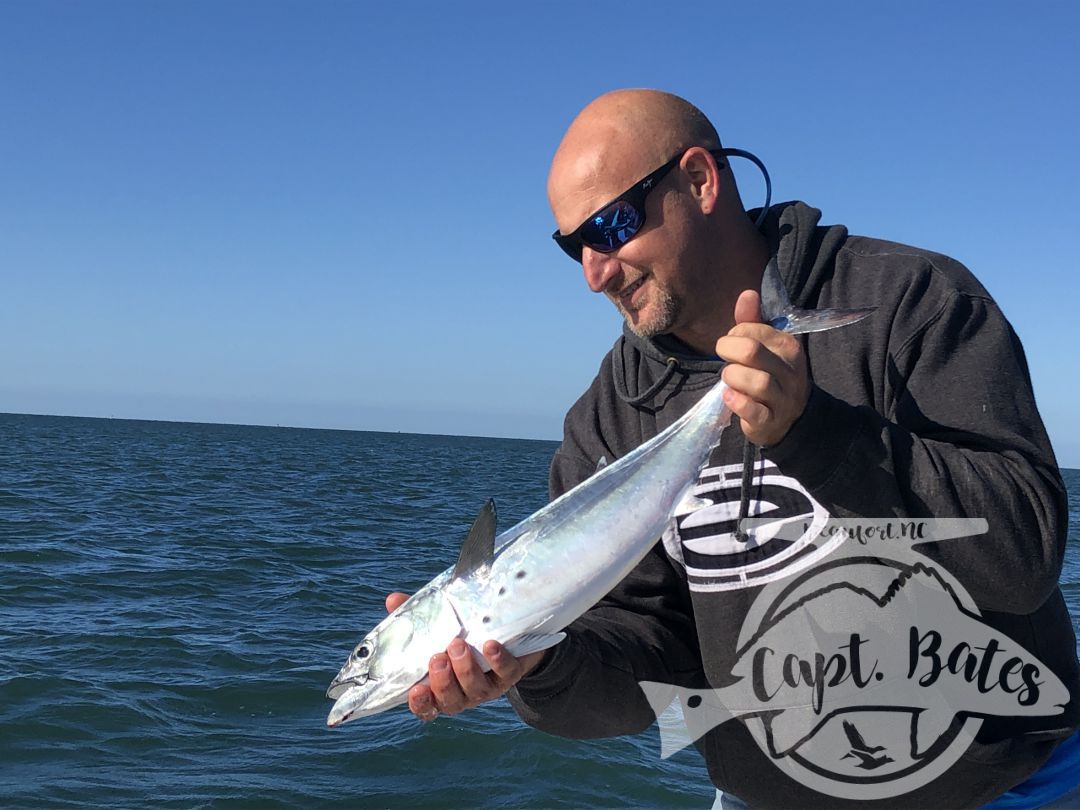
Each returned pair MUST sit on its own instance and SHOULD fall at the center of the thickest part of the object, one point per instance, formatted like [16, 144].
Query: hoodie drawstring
[651, 391]
[749, 461]
[750, 452]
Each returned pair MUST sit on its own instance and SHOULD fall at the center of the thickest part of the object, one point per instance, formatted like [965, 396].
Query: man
[925, 409]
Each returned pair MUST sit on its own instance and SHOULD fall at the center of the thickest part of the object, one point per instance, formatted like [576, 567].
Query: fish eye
[363, 651]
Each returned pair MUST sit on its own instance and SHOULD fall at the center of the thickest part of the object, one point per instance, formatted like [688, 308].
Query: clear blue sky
[333, 214]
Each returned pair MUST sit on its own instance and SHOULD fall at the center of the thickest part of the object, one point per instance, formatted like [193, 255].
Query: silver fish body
[539, 576]
[545, 572]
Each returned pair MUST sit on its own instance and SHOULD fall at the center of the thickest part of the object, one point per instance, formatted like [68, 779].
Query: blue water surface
[175, 598]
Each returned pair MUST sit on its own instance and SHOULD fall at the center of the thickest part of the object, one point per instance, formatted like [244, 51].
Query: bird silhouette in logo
[863, 752]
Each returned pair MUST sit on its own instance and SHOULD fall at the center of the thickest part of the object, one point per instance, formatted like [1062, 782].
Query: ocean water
[175, 598]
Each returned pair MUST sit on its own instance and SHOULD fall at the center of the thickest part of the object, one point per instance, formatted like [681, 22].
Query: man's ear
[705, 177]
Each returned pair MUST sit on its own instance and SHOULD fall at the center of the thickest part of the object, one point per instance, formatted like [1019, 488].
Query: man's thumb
[748, 307]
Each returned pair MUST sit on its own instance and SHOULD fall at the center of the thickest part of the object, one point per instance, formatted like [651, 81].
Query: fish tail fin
[663, 699]
[778, 311]
[683, 715]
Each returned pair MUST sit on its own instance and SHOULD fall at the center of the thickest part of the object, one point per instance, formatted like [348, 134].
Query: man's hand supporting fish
[456, 682]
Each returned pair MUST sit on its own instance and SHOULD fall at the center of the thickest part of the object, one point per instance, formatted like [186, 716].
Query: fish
[524, 586]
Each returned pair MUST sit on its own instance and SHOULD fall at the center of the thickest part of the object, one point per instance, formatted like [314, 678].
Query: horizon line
[276, 426]
[308, 427]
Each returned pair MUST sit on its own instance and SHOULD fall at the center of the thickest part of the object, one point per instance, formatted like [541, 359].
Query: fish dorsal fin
[479, 546]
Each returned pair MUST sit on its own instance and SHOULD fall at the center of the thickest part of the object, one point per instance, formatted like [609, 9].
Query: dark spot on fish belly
[487, 619]
[520, 574]
[502, 590]
[694, 701]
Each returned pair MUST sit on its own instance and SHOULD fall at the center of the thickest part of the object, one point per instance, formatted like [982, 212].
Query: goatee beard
[665, 310]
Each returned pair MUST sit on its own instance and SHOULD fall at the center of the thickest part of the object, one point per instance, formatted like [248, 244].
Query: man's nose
[599, 268]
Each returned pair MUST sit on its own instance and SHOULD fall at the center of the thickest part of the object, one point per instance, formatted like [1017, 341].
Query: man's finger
[395, 600]
[506, 670]
[753, 414]
[780, 343]
[472, 680]
[449, 696]
[422, 703]
[756, 384]
[747, 351]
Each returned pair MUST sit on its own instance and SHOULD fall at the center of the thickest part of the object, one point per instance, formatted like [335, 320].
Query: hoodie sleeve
[961, 438]
[587, 685]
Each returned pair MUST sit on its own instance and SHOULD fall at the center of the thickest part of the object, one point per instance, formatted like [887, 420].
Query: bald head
[618, 138]
[624, 134]
[657, 120]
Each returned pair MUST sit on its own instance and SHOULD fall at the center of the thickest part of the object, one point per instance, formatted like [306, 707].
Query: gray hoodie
[925, 409]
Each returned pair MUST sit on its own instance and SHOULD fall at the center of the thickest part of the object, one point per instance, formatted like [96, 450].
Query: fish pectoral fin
[690, 502]
[533, 642]
[479, 546]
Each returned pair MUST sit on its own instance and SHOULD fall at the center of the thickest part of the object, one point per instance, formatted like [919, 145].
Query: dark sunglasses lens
[613, 227]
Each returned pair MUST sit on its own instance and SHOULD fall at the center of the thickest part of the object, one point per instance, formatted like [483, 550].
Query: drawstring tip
[749, 461]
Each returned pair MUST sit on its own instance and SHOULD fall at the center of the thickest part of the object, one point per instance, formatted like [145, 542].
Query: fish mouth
[339, 686]
[349, 697]
[338, 716]
[356, 700]
[349, 676]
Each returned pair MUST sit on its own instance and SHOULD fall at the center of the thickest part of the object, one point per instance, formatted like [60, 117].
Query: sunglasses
[620, 220]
